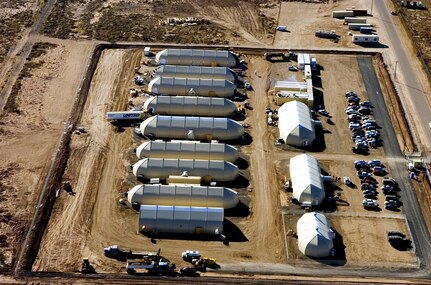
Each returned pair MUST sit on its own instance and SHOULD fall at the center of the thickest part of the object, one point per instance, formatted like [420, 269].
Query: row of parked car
[364, 128]
[369, 185]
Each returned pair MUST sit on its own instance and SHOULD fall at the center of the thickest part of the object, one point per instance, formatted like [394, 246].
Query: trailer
[125, 115]
[366, 30]
[342, 14]
[355, 20]
[154, 265]
[358, 12]
[327, 34]
[358, 26]
[365, 38]
[115, 252]
[313, 64]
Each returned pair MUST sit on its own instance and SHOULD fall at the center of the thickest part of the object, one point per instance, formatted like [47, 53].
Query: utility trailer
[152, 265]
[113, 251]
[126, 115]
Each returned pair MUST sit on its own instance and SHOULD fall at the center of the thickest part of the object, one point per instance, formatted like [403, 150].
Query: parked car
[351, 112]
[392, 198]
[368, 128]
[189, 271]
[370, 203]
[354, 125]
[364, 174]
[366, 104]
[391, 206]
[365, 110]
[370, 121]
[368, 186]
[387, 188]
[190, 254]
[359, 150]
[292, 68]
[375, 162]
[354, 116]
[353, 99]
[350, 93]
[378, 170]
[389, 181]
[354, 103]
[324, 113]
[370, 180]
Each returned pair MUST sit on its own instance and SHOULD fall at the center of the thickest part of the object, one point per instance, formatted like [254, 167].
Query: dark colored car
[189, 271]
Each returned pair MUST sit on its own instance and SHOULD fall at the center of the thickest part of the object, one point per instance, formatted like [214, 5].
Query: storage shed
[187, 150]
[295, 124]
[189, 71]
[194, 128]
[189, 105]
[315, 236]
[192, 87]
[307, 180]
[198, 57]
[183, 195]
[216, 170]
[180, 220]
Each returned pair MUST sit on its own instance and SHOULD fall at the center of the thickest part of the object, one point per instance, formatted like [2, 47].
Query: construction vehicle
[206, 261]
[150, 264]
[86, 267]
[113, 251]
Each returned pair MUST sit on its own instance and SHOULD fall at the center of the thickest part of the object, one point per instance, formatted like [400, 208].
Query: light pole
[372, 4]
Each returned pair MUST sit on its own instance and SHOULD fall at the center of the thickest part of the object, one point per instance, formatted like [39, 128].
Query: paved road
[412, 210]
[421, 107]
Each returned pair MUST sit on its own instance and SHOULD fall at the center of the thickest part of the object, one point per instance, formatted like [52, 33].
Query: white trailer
[358, 26]
[365, 38]
[355, 20]
[126, 115]
[342, 14]
[313, 63]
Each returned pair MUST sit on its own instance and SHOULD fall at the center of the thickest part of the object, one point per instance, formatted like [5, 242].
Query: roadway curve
[407, 76]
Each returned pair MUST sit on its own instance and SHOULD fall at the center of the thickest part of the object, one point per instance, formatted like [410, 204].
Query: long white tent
[315, 236]
[162, 168]
[200, 57]
[187, 150]
[190, 106]
[183, 195]
[295, 124]
[307, 180]
[189, 71]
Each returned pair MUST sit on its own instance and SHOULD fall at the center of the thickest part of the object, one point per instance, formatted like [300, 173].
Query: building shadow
[242, 163]
[339, 259]
[246, 139]
[240, 182]
[241, 210]
[372, 45]
[319, 144]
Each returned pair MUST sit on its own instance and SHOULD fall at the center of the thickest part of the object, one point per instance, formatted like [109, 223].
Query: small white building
[358, 38]
[307, 180]
[295, 124]
[315, 236]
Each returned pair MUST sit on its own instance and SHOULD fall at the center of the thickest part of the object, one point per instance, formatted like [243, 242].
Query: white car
[190, 254]
[281, 28]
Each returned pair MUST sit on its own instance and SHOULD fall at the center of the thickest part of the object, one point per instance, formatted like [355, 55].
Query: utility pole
[372, 4]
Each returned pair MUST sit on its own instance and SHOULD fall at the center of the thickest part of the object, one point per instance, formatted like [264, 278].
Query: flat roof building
[180, 220]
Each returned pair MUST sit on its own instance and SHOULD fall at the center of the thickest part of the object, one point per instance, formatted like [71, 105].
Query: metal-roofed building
[192, 87]
[162, 168]
[198, 57]
[180, 219]
[183, 195]
[295, 124]
[194, 128]
[187, 150]
[307, 180]
[190, 105]
[315, 236]
[189, 71]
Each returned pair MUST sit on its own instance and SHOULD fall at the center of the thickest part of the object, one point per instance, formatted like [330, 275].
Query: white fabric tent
[295, 124]
[315, 237]
[307, 181]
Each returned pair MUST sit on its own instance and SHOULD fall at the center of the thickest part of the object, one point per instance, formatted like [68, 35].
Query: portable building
[183, 195]
[192, 87]
[365, 38]
[342, 14]
[315, 236]
[190, 105]
[295, 124]
[194, 128]
[188, 71]
[285, 85]
[355, 20]
[187, 150]
[162, 168]
[358, 26]
[300, 60]
[307, 180]
[198, 57]
[180, 220]
[307, 71]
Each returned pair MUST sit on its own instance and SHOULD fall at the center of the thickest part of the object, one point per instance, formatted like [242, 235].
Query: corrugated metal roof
[307, 182]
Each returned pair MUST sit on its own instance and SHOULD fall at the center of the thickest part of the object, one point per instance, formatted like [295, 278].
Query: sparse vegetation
[37, 51]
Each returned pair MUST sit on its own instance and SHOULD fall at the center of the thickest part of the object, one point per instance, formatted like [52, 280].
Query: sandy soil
[43, 111]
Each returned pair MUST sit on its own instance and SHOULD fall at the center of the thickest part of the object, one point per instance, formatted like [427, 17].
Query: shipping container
[355, 20]
[366, 30]
[358, 26]
[342, 14]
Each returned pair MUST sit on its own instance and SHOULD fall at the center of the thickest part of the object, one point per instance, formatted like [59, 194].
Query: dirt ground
[43, 109]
